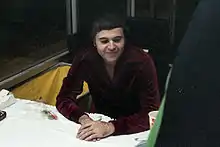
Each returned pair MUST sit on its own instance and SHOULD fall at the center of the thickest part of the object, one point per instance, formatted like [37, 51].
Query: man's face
[110, 44]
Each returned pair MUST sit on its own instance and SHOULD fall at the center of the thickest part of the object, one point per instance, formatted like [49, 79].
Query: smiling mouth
[112, 53]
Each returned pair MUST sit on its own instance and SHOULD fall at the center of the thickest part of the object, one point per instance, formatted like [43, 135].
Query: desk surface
[26, 126]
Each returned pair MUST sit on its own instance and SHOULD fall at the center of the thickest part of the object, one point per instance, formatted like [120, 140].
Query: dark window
[31, 30]
[153, 8]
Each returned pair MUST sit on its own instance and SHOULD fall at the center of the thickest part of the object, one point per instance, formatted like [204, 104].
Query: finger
[86, 135]
[91, 137]
[97, 139]
[84, 126]
[83, 132]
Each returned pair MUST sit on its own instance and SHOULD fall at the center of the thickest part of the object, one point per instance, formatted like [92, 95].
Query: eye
[117, 39]
[104, 41]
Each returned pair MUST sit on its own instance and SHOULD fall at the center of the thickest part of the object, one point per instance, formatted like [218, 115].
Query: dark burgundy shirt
[128, 97]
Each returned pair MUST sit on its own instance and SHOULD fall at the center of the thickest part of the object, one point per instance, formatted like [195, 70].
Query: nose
[111, 45]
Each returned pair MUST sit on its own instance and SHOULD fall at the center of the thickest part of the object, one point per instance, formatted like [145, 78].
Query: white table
[26, 126]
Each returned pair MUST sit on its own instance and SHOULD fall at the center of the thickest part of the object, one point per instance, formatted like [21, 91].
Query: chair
[46, 85]
[152, 34]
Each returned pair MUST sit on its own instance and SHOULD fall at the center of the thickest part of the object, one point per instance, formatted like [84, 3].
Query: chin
[111, 60]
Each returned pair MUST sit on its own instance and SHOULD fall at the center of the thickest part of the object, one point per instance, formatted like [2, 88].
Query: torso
[115, 91]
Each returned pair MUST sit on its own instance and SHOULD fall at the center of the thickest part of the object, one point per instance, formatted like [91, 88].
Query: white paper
[6, 99]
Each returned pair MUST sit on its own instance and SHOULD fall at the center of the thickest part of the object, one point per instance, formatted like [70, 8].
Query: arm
[72, 86]
[149, 100]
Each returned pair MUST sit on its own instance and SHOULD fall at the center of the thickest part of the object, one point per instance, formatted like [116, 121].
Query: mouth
[112, 54]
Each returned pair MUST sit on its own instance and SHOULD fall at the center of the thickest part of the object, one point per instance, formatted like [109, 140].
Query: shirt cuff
[120, 127]
[75, 115]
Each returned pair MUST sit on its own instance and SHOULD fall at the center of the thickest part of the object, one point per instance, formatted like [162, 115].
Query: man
[191, 112]
[122, 81]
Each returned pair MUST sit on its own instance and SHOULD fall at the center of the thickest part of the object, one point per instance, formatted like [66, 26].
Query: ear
[94, 42]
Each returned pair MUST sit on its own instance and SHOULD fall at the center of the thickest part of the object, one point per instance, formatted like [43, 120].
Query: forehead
[110, 33]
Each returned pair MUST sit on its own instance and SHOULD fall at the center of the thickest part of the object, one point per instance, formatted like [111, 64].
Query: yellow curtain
[45, 87]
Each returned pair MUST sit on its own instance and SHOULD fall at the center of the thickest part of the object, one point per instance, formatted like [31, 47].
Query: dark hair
[107, 22]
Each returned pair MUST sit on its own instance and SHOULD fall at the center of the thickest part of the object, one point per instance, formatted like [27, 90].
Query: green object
[154, 131]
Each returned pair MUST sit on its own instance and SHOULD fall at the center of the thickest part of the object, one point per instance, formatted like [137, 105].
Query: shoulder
[81, 61]
[135, 54]
[85, 54]
[143, 62]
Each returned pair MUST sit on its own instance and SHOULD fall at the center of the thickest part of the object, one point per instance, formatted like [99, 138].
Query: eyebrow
[102, 38]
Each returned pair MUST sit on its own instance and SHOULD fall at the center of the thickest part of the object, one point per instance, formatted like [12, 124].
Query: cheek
[100, 48]
[120, 46]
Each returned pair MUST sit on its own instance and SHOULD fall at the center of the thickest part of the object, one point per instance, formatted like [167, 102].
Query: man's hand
[95, 130]
[84, 119]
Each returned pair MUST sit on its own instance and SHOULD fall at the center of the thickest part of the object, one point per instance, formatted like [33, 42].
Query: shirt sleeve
[71, 87]
[149, 100]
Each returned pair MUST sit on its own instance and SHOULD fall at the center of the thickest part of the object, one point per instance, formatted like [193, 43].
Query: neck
[110, 64]
[110, 67]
